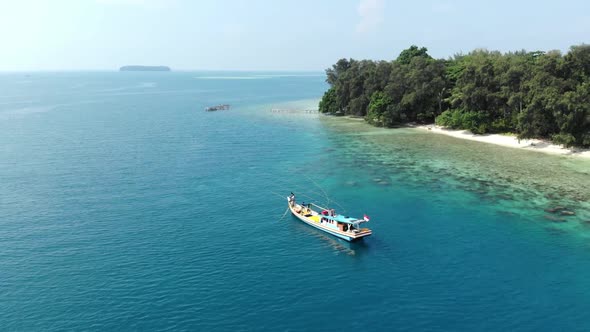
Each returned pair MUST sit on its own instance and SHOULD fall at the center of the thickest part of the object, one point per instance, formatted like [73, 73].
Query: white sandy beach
[510, 141]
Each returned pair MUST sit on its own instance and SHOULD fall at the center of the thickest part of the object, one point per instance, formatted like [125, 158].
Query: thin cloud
[371, 15]
[121, 2]
[140, 3]
[443, 7]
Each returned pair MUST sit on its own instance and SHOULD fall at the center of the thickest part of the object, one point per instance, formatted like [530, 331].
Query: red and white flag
[366, 217]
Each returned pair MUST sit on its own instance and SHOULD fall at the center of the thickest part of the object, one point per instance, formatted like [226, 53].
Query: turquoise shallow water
[126, 207]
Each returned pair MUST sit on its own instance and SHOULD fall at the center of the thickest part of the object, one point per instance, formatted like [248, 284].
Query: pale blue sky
[272, 35]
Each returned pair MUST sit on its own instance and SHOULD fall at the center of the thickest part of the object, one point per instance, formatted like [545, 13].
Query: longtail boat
[217, 107]
[328, 220]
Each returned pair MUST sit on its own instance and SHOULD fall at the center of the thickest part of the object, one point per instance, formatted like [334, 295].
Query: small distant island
[144, 68]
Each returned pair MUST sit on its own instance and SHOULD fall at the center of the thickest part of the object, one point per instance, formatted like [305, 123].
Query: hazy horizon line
[171, 70]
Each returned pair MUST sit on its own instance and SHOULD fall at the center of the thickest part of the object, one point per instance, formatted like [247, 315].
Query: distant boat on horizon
[217, 107]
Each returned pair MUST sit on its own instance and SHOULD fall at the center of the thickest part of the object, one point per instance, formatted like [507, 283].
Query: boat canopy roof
[338, 218]
[345, 220]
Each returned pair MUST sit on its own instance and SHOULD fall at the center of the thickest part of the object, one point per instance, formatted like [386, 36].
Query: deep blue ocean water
[125, 206]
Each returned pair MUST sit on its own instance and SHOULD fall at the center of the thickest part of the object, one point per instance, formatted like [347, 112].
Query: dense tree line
[532, 94]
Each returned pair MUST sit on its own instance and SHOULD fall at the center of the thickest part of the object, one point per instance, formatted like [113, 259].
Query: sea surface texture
[126, 206]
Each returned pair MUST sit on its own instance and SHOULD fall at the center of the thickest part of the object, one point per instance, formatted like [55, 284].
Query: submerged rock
[506, 212]
[550, 196]
[554, 218]
[555, 209]
[555, 231]
[567, 213]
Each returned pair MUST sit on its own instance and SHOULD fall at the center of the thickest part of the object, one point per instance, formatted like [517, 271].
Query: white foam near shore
[510, 141]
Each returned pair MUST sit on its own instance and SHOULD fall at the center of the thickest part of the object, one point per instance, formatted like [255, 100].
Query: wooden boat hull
[347, 236]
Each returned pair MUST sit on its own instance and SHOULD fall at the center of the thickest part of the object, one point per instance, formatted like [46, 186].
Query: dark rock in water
[554, 218]
[550, 196]
[555, 231]
[567, 213]
[508, 213]
[381, 181]
[483, 182]
[555, 209]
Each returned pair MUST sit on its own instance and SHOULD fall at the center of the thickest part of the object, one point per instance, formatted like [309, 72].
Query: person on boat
[302, 207]
[291, 199]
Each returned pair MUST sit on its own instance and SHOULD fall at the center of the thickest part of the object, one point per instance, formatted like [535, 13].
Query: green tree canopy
[406, 56]
[533, 94]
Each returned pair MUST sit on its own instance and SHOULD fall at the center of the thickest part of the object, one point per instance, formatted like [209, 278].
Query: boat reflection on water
[339, 245]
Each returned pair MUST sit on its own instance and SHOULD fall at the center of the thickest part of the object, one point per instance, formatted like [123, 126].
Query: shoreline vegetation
[543, 98]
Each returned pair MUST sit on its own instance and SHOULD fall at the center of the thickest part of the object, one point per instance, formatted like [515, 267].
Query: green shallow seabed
[516, 181]
[511, 181]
